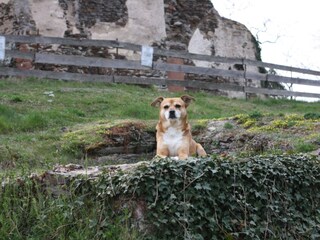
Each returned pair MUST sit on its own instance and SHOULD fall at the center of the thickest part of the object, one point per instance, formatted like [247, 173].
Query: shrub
[312, 116]
[256, 115]
[271, 197]
[228, 125]
[304, 147]
[263, 197]
[29, 212]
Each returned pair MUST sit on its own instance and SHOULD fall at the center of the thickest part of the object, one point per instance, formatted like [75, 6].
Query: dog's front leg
[162, 152]
[183, 152]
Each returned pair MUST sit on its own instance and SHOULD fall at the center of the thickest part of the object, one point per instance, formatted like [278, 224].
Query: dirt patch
[125, 138]
[252, 135]
[132, 141]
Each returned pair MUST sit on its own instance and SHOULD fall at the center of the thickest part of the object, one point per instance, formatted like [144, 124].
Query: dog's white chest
[173, 139]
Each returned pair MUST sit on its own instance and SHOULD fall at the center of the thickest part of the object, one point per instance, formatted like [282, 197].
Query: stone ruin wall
[192, 25]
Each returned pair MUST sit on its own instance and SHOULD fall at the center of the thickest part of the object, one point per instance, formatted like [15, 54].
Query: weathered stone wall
[91, 12]
[226, 38]
[182, 18]
[6, 17]
[15, 17]
[192, 25]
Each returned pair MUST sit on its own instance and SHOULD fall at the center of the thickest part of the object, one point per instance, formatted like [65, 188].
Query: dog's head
[173, 108]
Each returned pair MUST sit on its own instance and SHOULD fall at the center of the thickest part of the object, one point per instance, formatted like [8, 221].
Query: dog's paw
[175, 158]
[159, 157]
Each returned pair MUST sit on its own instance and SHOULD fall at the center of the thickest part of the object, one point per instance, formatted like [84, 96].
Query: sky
[288, 31]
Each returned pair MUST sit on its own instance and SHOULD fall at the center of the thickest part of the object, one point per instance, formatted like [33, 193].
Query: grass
[29, 213]
[40, 118]
[34, 114]
[275, 134]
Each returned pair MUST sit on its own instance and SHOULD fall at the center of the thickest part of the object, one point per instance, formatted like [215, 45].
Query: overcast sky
[289, 31]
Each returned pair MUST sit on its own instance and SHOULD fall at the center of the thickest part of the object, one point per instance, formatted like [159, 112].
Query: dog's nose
[172, 114]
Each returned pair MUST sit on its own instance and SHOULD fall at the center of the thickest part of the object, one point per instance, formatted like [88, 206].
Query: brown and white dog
[173, 130]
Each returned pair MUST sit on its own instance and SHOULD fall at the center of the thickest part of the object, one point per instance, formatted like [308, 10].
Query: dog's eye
[178, 106]
[166, 107]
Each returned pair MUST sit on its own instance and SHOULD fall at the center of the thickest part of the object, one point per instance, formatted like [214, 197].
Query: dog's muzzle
[172, 114]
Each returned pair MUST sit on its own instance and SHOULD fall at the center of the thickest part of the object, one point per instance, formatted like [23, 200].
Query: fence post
[24, 64]
[175, 75]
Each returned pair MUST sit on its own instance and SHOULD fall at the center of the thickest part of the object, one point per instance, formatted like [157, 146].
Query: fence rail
[82, 61]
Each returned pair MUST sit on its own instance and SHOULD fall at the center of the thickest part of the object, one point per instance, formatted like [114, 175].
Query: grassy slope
[31, 121]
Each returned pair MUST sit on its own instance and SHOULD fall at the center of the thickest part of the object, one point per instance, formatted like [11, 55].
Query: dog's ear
[157, 102]
[187, 99]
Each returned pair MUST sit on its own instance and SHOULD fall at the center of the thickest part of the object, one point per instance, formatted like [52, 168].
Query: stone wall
[192, 25]
[91, 12]
[183, 18]
[15, 17]
[6, 18]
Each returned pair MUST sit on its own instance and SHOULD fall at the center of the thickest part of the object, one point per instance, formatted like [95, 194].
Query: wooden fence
[83, 61]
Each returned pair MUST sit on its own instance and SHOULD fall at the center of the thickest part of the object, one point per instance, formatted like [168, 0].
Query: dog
[173, 136]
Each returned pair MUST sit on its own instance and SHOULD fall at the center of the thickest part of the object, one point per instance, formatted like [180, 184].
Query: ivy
[263, 197]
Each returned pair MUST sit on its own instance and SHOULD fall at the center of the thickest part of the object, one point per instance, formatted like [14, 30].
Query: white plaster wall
[146, 24]
[230, 39]
[233, 40]
[48, 17]
[200, 45]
